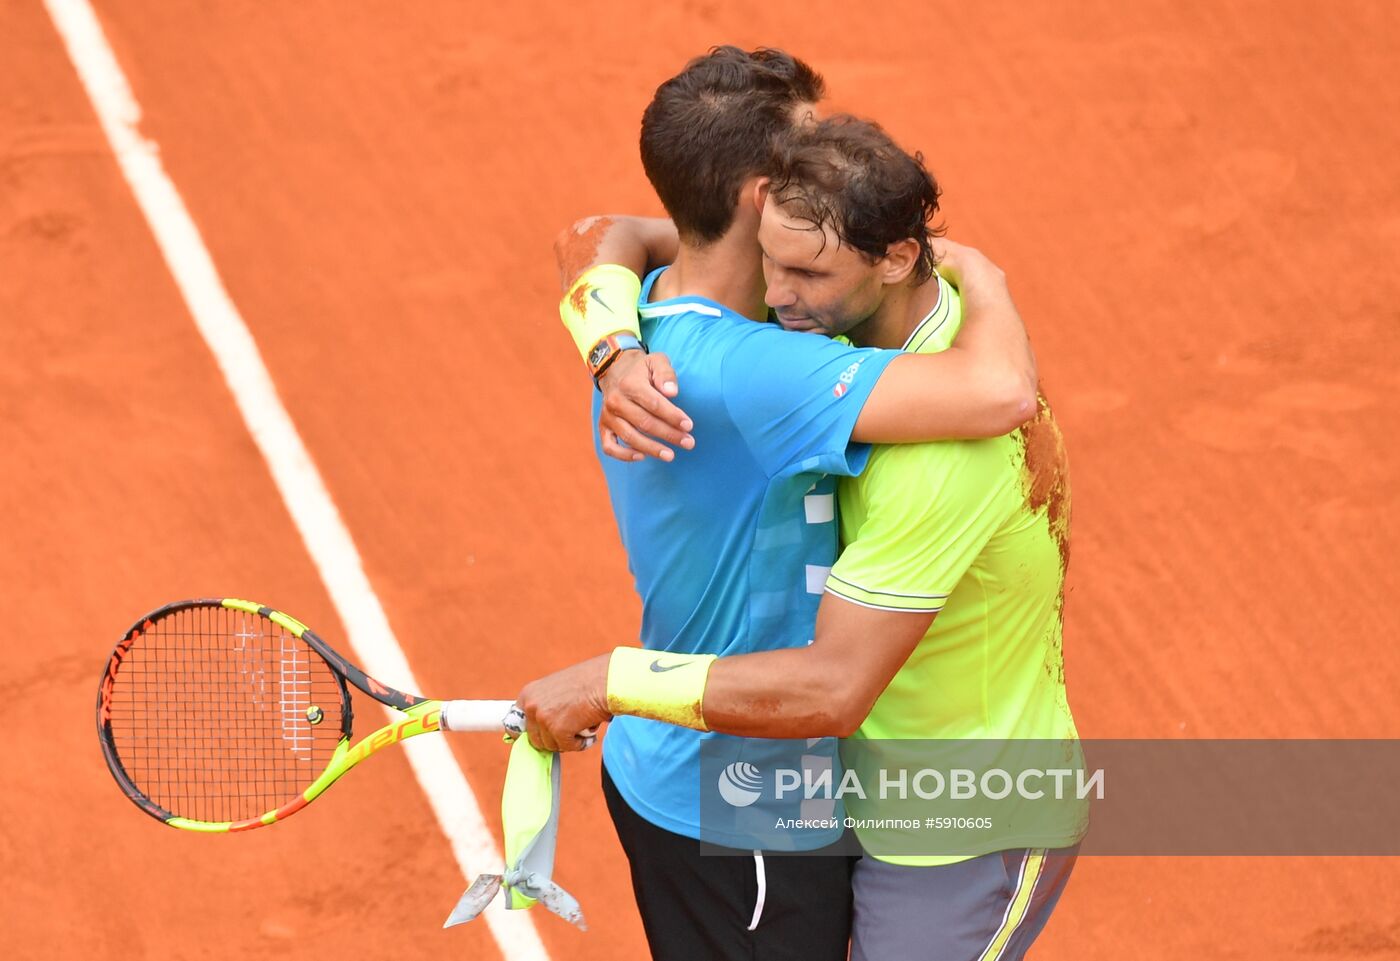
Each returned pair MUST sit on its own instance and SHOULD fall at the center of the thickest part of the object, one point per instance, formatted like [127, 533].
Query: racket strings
[222, 715]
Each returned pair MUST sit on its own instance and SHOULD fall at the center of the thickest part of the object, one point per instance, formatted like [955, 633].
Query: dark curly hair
[847, 174]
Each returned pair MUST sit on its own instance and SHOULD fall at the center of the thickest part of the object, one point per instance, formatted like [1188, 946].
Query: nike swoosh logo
[656, 666]
[593, 293]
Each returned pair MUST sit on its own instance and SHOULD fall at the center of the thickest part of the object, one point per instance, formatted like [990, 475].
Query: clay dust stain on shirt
[1045, 473]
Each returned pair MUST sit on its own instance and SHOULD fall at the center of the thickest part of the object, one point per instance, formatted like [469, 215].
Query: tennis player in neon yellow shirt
[943, 614]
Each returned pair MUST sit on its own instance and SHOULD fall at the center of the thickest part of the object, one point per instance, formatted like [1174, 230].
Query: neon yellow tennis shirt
[977, 532]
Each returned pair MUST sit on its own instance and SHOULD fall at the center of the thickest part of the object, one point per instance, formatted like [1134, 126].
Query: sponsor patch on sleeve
[843, 383]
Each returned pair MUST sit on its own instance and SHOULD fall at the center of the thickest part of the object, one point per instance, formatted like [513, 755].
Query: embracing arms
[824, 689]
[638, 417]
[982, 386]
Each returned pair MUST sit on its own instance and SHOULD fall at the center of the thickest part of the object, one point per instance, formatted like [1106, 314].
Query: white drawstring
[762, 889]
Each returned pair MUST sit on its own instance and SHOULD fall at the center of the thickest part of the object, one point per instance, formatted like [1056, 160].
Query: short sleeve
[796, 398]
[925, 512]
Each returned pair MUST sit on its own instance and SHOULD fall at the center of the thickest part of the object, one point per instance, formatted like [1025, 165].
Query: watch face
[596, 355]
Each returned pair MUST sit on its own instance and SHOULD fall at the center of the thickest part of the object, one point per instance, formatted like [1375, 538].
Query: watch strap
[607, 350]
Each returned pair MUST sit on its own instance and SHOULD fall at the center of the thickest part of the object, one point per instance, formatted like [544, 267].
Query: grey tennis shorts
[989, 908]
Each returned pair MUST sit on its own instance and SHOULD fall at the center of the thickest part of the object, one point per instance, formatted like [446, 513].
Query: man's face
[815, 283]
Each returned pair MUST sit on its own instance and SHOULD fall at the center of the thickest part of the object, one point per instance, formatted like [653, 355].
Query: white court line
[296, 477]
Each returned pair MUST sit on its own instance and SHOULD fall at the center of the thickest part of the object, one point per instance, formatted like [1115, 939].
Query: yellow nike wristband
[603, 301]
[661, 686]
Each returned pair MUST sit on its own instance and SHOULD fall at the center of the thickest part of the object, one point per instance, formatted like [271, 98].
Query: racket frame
[422, 716]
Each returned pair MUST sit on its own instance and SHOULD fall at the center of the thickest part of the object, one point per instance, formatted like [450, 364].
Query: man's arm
[641, 244]
[824, 689]
[908, 552]
[638, 415]
[984, 385]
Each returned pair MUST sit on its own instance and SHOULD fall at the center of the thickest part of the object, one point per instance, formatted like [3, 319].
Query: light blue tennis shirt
[730, 544]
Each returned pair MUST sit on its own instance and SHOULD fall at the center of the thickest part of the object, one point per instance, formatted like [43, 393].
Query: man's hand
[962, 266]
[637, 412]
[563, 704]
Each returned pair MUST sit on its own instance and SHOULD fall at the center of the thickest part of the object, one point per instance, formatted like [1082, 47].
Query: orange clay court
[1198, 206]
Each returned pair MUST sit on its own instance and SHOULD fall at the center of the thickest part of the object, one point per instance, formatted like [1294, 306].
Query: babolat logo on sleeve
[843, 383]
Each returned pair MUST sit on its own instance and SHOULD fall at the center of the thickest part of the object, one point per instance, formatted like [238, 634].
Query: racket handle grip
[494, 716]
[475, 715]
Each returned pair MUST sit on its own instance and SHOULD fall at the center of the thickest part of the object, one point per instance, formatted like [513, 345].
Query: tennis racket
[223, 715]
